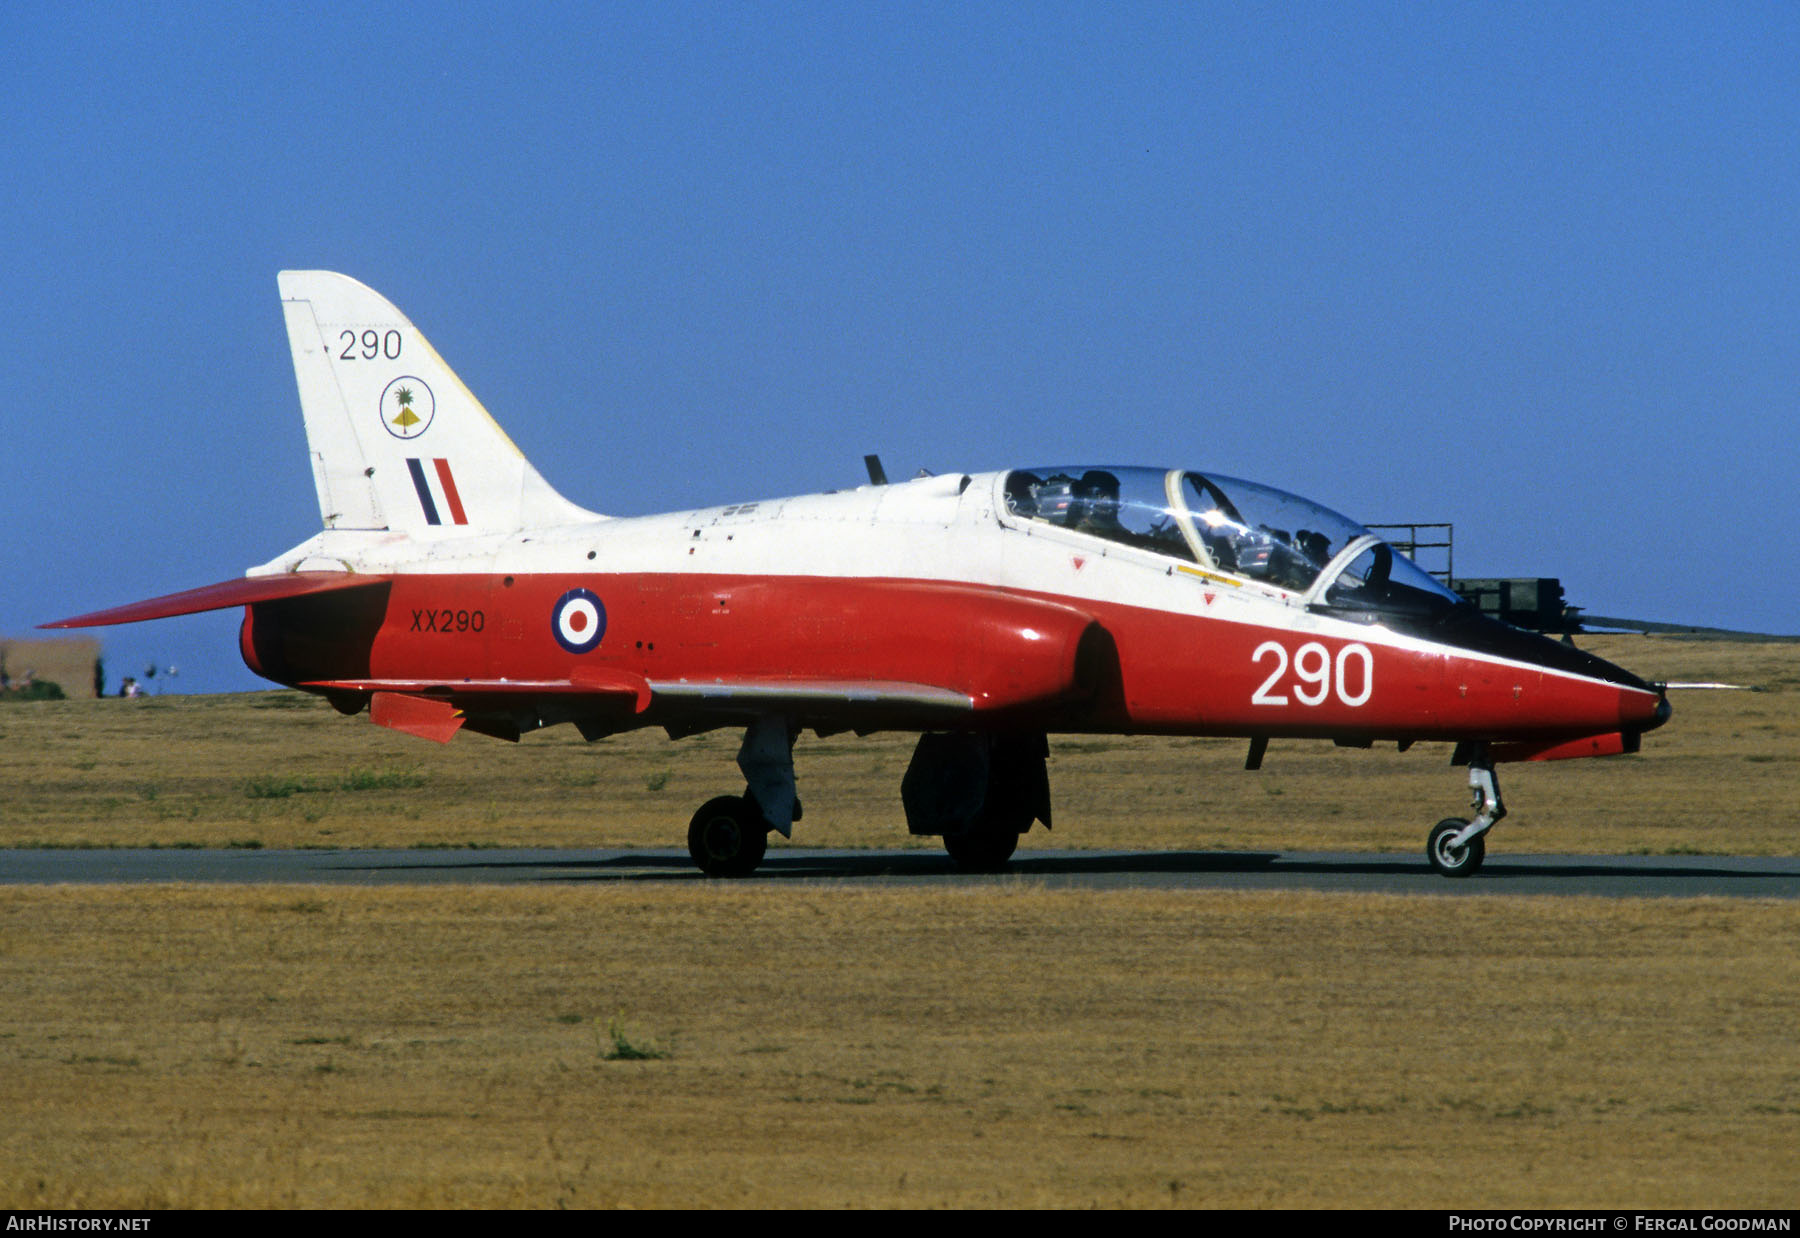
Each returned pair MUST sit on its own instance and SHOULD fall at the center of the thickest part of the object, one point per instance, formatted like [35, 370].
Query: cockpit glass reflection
[1265, 534]
[1128, 506]
[1228, 525]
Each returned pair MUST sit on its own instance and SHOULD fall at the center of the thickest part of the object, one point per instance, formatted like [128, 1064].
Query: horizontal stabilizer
[246, 591]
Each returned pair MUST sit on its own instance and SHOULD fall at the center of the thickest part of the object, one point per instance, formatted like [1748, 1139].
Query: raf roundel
[578, 620]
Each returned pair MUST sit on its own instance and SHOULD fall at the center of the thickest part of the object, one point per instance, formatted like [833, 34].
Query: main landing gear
[978, 791]
[728, 836]
[1456, 846]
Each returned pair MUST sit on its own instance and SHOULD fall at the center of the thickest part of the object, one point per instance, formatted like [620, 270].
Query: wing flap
[622, 683]
[246, 591]
[737, 697]
[775, 692]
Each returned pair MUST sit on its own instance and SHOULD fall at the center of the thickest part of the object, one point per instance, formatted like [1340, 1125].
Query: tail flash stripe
[450, 495]
[418, 479]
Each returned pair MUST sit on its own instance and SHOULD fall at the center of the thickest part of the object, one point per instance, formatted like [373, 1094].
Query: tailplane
[397, 441]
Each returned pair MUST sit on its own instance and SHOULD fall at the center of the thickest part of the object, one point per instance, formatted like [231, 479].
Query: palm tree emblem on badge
[407, 407]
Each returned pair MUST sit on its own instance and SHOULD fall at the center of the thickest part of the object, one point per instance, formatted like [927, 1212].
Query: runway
[1608, 876]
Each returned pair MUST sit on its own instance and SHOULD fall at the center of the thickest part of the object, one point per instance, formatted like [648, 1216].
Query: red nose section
[1594, 706]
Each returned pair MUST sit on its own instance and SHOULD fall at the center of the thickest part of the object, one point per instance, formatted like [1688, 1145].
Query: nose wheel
[1456, 846]
[1449, 857]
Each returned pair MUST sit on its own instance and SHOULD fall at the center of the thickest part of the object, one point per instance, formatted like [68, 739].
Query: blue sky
[1530, 269]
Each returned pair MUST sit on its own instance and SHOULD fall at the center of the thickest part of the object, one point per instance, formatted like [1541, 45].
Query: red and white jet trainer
[452, 588]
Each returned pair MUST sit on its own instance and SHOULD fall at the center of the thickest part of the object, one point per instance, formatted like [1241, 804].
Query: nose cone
[1595, 691]
[1642, 706]
[1658, 715]
[1605, 698]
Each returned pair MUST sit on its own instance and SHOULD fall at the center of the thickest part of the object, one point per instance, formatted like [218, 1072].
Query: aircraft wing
[436, 709]
[244, 591]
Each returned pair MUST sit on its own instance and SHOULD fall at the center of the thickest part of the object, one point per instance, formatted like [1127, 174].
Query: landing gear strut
[1456, 846]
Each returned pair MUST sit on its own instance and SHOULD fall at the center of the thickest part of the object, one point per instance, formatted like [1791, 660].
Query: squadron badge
[407, 407]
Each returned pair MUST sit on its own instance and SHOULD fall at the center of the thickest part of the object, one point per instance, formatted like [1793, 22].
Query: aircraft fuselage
[924, 582]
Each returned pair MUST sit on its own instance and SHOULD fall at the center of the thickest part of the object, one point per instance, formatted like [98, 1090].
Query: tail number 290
[1316, 675]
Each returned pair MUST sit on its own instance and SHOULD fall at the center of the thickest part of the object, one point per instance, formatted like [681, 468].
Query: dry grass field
[840, 1047]
[792, 1045]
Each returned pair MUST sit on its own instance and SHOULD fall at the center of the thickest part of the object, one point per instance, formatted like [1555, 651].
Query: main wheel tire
[1454, 861]
[728, 836]
[980, 850]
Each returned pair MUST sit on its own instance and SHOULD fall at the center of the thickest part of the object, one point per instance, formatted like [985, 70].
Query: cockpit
[1230, 527]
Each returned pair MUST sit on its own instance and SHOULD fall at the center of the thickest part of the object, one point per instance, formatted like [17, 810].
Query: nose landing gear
[1456, 846]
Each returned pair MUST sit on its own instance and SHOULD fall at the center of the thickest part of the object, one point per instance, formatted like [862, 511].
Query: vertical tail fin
[397, 441]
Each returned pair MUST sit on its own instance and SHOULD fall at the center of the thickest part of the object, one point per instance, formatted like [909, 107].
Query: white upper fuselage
[946, 528]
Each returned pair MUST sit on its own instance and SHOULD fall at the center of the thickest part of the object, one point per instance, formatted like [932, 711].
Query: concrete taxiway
[1591, 875]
